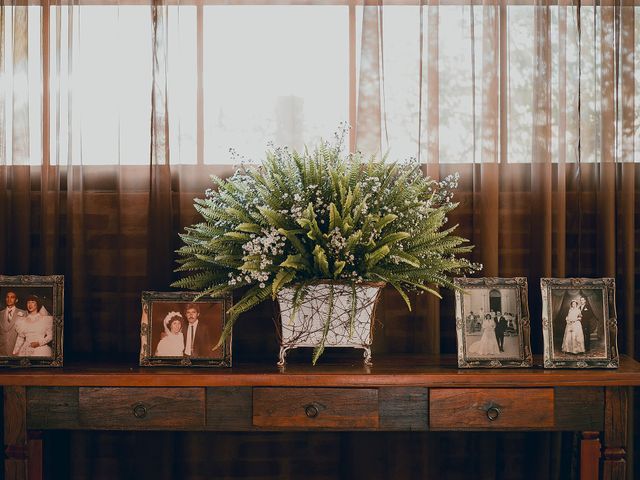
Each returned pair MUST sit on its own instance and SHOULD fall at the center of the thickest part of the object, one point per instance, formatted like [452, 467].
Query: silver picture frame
[161, 311]
[579, 323]
[31, 320]
[492, 323]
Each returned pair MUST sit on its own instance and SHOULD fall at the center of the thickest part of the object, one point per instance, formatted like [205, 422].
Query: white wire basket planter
[328, 314]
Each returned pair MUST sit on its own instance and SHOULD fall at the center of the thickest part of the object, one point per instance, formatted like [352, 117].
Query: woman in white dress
[172, 344]
[573, 341]
[35, 331]
[488, 343]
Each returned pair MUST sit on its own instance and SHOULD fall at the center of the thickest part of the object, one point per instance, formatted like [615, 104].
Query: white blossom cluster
[264, 247]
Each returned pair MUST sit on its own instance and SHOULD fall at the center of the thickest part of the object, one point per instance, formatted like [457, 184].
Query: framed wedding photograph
[492, 322]
[178, 330]
[579, 323]
[31, 320]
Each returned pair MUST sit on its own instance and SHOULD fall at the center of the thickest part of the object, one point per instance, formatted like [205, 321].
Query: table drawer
[327, 408]
[141, 408]
[491, 408]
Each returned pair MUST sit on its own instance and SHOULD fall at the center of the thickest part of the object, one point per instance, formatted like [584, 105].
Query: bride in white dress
[172, 344]
[35, 331]
[488, 343]
[573, 341]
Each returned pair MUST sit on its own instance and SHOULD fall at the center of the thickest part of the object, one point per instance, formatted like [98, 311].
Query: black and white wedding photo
[491, 318]
[579, 322]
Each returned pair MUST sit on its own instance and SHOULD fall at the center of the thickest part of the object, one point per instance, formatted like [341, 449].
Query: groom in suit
[501, 327]
[197, 340]
[8, 316]
[588, 320]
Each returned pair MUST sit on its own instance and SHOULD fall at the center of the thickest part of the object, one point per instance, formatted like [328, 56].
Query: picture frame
[180, 329]
[492, 322]
[31, 320]
[570, 307]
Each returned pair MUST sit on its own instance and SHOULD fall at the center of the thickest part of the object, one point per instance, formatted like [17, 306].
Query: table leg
[590, 456]
[34, 449]
[615, 434]
[15, 433]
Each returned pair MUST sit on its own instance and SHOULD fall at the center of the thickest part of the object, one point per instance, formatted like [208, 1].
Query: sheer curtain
[545, 97]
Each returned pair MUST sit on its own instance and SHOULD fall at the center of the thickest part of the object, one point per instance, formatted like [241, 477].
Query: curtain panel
[534, 105]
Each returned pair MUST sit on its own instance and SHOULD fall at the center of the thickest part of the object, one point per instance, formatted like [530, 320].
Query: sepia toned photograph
[492, 322]
[579, 323]
[31, 320]
[178, 330]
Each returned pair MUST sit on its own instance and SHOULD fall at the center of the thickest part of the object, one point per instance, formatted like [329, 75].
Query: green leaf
[397, 286]
[386, 220]
[334, 217]
[249, 228]
[237, 236]
[282, 278]
[275, 219]
[407, 258]
[318, 349]
[371, 259]
[295, 241]
[338, 266]
[392, 238]
[250, 299]
[320, 260]
[295, 261]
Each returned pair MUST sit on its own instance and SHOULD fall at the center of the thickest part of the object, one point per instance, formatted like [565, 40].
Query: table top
[410, 371]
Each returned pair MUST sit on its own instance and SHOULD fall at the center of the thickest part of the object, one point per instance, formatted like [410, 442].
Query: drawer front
[491, 408]
[326, 408]
[141, 408]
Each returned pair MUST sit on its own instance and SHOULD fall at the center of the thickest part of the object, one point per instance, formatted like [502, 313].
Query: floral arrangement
[322, 214]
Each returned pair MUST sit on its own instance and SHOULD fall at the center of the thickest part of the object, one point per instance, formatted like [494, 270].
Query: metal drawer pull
[139, 411]
[311, 411]
[493, 413]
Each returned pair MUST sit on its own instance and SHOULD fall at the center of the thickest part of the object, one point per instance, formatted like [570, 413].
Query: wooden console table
[396, 394]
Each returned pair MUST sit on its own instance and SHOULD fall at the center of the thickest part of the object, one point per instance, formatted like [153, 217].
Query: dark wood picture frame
[596, 297]
[512, 336]
[33, 340]
[162, 309]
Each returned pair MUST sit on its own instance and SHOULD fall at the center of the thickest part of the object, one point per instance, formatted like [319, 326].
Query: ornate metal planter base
[349, 309]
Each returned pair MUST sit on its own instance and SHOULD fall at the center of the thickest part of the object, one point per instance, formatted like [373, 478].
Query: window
[240, 76]
[273, 73]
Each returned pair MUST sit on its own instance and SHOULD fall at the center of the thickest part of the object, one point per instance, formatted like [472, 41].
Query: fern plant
[322, 214]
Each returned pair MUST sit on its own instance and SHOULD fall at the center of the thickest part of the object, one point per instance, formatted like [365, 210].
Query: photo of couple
[181, 329]
[493, 333]
[186, 329]
[578, 326]
[26, 326]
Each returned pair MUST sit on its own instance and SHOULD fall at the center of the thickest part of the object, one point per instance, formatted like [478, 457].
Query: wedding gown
[488, 344]
[34, 328]
[171, 346]
[573, 341]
